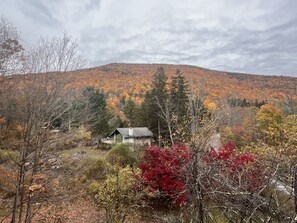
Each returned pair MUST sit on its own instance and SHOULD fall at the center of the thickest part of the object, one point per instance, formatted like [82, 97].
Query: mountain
[133, 80]
[120, 81]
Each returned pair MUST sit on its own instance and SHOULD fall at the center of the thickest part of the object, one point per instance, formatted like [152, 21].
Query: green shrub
[98, 170]
[94, 187]
[117, 196]
[121, 155]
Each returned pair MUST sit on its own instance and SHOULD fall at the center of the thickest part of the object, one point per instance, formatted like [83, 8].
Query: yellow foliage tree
[289, 143]
[279, 146]
[117, 195]
[269, 119]
[210, 105]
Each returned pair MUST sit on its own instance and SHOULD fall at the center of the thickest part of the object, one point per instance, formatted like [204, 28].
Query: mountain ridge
[120, 81]
[193, 66]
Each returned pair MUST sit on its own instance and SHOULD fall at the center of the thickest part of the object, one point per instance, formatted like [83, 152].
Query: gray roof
[137, 132]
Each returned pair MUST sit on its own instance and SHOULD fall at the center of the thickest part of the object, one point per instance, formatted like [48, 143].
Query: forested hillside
[123, 80]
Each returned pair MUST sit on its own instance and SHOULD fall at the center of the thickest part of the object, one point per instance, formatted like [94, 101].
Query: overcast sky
[254, 36]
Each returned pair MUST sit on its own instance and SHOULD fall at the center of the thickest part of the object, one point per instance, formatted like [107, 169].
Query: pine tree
[131, 110]
[150, 111]
[159, 90]
[179, 97]
[96, 114]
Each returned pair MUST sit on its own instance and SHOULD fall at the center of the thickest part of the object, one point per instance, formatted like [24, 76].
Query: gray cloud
[244, 36]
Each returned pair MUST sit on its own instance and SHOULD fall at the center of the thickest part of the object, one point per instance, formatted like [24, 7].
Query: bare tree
[166, 115]
[197, 169]
[42, 97]
[11, 48]
[290, 103]
[11, 57]
[209, 187]
[54, 55]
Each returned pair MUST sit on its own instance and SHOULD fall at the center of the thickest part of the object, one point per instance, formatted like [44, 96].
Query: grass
[86, 153]
[77, 161]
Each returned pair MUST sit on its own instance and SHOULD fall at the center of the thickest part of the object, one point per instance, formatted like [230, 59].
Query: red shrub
[164, 170]
[243, 169]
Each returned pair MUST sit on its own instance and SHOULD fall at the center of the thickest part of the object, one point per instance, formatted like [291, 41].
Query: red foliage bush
[164, 170]
[242, 169]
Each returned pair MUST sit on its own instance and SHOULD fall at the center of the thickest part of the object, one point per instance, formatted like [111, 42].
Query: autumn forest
[223, 145]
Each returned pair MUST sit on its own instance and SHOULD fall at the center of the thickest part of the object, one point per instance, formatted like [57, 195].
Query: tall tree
[130, 110]
[39, 97]
[95, 112]
[10, 47]
[150, 108]
[269, 119]
[179, 97]
[11, 56]
[289, 105]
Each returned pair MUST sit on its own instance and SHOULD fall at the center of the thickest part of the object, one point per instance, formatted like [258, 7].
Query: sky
[254, 36]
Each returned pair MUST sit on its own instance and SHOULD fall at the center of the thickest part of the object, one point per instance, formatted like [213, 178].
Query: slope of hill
[133, 80]
[120, 81]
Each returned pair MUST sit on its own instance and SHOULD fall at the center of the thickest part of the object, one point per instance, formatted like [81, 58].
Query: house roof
[137, 132]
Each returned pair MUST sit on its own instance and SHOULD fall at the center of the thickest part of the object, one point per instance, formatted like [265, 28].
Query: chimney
[130, 131]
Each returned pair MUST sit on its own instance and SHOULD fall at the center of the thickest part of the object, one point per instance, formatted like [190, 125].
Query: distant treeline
[238, 102]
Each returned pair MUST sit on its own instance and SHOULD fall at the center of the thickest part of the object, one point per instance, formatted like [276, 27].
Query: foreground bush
[224, 174]
[164, 170]
[118, 195]
[239, 170]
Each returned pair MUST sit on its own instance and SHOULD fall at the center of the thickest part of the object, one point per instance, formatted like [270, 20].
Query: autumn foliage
[242, 169]
[133, 80]
[165, 170]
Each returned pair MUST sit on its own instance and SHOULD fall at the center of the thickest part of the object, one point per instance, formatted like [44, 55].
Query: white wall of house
[140, 141]
[128, 140]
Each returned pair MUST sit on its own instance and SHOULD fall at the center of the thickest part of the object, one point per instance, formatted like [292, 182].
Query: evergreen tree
[150, 111]
[159, 84]
[244, 103]
[179, 97]
[131, 110]
[96, 114]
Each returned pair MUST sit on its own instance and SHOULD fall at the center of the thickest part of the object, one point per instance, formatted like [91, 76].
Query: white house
[138, 135]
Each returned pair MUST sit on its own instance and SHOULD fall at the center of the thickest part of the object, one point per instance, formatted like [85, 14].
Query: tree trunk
[295, 191]
[200, 204]
[22, 191]
[19, 197]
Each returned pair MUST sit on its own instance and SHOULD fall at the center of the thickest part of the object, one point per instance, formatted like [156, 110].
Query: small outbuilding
[137, 135]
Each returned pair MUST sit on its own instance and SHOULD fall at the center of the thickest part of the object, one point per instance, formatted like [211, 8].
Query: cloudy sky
[254, 36]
